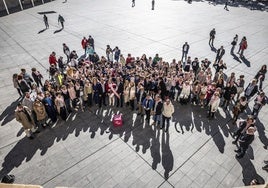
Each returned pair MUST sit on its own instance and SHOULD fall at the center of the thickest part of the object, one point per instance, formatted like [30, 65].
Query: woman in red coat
[243, 46]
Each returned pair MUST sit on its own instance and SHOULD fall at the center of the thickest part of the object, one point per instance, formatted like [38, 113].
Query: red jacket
[52, 60]
[244, 45]
[84, 43]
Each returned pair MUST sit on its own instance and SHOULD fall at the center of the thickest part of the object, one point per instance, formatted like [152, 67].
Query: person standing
[61, 21]
[84, 43]
[37, 76]
[260, 76]
[66, 51]
[133, 3]
[140, 96]
[185, 50]
[60, 106]
[251, 89]
[245, 140]
[40, 111]
[16, 83]
[243, 126]
[102, 92]
[148, 105]
[168, 110]
[220, 53]
[241, 44]
[153, 2]
[259, 102]
[244, 46]
[117, 53]
[91, 41]
[157, 110]
[120, 91]
[233, 43]
[46, 21]
[52, 59]
[24, 115]
[212, 37]
[213, 104]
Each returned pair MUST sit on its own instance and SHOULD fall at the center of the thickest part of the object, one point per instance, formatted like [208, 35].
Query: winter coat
[39, 110]
[168, 109]
[26, 121]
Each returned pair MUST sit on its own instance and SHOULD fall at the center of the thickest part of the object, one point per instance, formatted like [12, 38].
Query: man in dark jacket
[229, 92]
[245, 140]
[251, 89]
[212, 37]
[243, 126]
[185, 50]
[157, 110]
[120, 90]
[220, 53]
[101, 92]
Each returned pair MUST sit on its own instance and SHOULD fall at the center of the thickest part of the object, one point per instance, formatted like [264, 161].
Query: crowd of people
[149, 85]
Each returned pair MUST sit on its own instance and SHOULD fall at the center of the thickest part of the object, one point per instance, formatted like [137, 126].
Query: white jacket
[214, 103]
[168, 109]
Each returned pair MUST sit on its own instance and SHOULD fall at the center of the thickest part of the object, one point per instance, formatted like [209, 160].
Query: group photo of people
[148, 86]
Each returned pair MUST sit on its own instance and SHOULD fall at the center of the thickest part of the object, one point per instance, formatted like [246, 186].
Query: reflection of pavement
[86, 151]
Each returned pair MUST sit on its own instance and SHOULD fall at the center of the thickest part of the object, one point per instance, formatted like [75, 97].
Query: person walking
[233, 43]
[168, 110]
[226, 4]
[46, 21]
[185, 50]
[212, 37]
[61, 21]
[242, 46]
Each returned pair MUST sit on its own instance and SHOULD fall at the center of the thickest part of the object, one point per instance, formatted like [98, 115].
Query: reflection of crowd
[148, 85]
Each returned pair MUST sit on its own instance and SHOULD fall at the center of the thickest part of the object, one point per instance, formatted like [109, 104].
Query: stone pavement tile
[220, 174]
[194, 172]
[138, 183]
[175, 177]
[212, 183]
[187, 166]
[185, 181]
[229, 180]
[155, 181]
[202, 179]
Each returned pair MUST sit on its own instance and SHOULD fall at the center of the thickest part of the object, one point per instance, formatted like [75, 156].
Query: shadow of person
[261, 131]
[235, 57]
[248, 171]
[167, 156]
[213, 49]
[244, 60]
[155, 149]
[57, 31]
[41, 31]
[8, 114]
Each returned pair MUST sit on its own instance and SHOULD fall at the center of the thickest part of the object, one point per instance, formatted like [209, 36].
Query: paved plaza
[87, 151]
